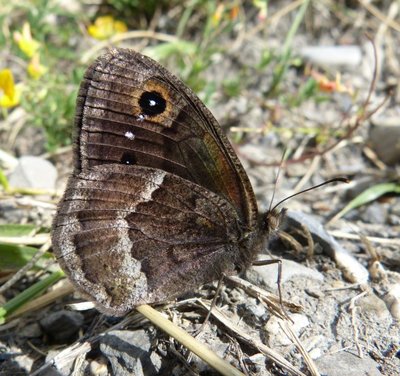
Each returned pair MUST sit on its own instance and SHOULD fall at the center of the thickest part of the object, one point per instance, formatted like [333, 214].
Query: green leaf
[165, 50]
[14, 257]
[369, 195]
[17, 230]
[4, 181]
[283, 63]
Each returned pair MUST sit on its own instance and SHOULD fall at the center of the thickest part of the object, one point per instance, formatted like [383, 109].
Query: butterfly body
[158, 202]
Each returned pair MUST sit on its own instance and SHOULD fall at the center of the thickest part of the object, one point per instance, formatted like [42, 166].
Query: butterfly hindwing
[132, 236]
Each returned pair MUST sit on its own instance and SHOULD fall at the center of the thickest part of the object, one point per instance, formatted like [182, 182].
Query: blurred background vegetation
[46, 45]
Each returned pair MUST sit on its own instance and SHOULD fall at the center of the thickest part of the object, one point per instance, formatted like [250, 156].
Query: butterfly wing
[128, 236]
[158, 202]
[132, 110]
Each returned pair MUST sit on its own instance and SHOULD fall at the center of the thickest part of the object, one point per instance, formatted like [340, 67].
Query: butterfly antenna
[340, 179]
[276, 179]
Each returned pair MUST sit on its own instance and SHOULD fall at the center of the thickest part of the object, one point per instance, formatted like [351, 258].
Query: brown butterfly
[158, 202]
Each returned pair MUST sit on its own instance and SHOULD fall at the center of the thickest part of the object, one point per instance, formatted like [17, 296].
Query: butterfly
[158, 202]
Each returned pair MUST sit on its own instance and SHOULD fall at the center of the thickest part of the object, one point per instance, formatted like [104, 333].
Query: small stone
[392, 300]
[347, 364]
[98, 367]
[374, 305]
[315, 353]
[33, 172]
[257, 361]
[374, 213]
[333, 55]
[276, 334]
[32, 330]
[314, 292]
[267, 275]
[15, 362]
[384, 138]
[129, 353]
[251, 312]
[62, 326]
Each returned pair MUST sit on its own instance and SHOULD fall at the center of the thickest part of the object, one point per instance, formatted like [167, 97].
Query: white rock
[276, 334]
[33, 172]
[268, 274]
[333, 55]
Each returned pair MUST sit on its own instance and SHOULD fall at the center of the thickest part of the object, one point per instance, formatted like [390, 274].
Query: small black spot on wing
[128, 158]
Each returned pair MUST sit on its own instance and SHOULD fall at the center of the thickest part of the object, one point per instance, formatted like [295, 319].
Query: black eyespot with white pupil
[128, 158]
[152, 103]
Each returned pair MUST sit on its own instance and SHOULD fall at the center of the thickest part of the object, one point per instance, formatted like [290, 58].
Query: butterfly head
[272, 220]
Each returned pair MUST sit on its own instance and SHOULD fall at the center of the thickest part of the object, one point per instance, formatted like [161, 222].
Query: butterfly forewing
[132, 110]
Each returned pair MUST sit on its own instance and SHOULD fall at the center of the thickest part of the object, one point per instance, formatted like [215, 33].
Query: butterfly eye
[128, 158]
[152, 103]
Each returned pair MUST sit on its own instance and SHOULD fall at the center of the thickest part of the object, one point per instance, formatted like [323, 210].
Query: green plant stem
[29, 294]
[287, 48]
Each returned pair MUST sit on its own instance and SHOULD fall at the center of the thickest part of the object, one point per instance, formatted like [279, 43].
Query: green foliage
[14, 257]
[131, 8]
[4, 181]
[51, 106]
[28, 294]
[17, 230]
[284, 59]
[232, 87]
[198, 33]
[369, 195]
[49, 100]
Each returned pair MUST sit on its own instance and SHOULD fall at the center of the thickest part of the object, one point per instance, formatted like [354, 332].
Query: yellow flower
[9, 93]
[105, 27]
[217, 16]
[26, 43]
[35, 69]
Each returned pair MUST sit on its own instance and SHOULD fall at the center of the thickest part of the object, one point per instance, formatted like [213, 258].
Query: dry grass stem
[188, 341]
[372, 239]
[353, 310]
[249, 341]
[285, 326]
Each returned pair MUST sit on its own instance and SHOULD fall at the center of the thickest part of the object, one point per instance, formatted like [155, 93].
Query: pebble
[252, 313]
[373, 305]
[276, 336]
[32, 330]
[62, 326]
[129, 353]
[33, 172]
[374, 213]
[344, 363]
[384, 138]
[392, 300]
[267, 275]
[257, 361]
[333, 55]
[98, 367]
[14, 362]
